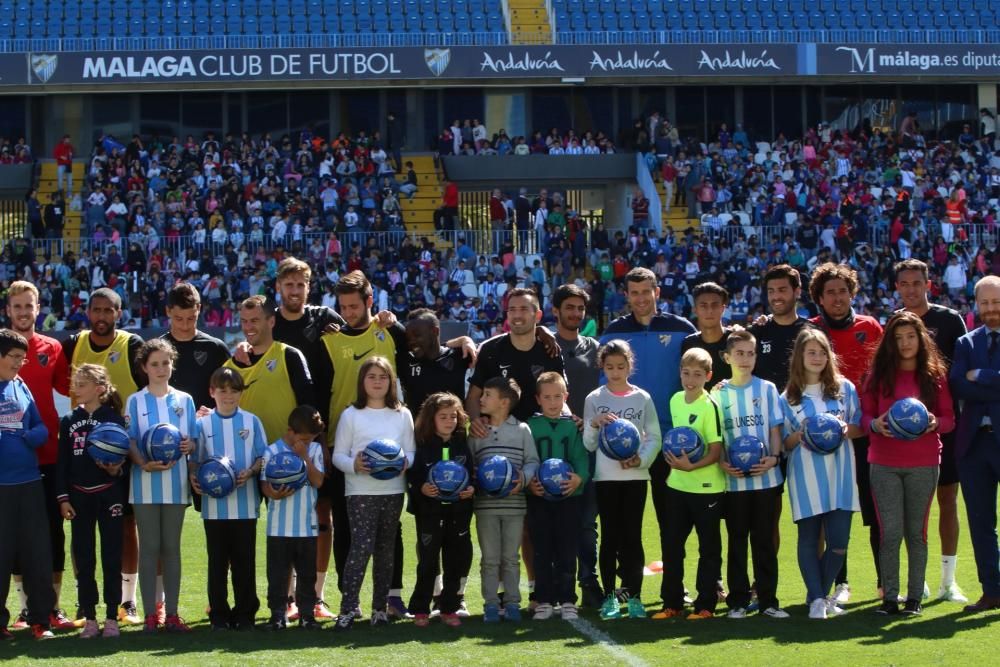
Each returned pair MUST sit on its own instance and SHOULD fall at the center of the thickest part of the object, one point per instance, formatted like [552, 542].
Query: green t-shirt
[560, 439]
[556, 218]
[703, 416]
[605, 271]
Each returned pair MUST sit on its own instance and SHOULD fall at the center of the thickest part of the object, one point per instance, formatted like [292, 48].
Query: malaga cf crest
[437, 60]
[42, 65]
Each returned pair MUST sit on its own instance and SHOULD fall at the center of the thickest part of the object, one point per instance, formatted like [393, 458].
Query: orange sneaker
[667, 612]
[322, 611]
[174, 623]
[699, 615]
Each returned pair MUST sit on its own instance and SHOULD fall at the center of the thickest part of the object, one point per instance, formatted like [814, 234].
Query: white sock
[160, 597]
[320, 585]
[948, 565]
[461, 585]
[395, 592]
[531, 586]
[21, 595]
[291, 585]
[438, 585]
[129, 582]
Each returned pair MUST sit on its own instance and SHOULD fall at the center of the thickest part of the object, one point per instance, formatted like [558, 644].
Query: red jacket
[450, 198]
[63, 154]
[854, 345]
[45, 369]
[497, 210]
[925, 450]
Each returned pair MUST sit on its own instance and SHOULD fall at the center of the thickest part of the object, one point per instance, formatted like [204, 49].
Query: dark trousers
[374, 532]
[232, 547]
[104, 511]
[979, 472]
[445, 533]
[750, 518]
[701, 512]
[282, 554]
[586, 571]
[24, 538]
[554, 526]
[620, 506]
[658, 473]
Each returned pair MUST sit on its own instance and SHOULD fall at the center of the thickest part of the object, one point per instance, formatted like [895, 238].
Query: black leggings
[442, 536]
[620, 506]
[103, 510]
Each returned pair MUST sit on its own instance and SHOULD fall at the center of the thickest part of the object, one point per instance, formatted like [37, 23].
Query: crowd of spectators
[470, 137]
[15, 152]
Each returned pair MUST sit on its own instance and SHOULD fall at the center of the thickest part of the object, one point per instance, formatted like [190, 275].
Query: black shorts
[862, 471]
[334, 486]
[948, 471]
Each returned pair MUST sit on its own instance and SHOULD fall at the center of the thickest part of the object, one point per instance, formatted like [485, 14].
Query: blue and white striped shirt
[750, 409]
[239, 436]
[294, 516]
[167, 487]
[819, 483]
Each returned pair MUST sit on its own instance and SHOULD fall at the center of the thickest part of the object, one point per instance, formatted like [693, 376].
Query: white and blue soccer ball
[907, 419]
[682, 440]
[217, 476]
[162, 443]
[823, 433]
[745, 452]
[385, 458]
[286, 470]
[108, 443]
[450, 478]
[619, 440]
[551, 475]
[496, 476]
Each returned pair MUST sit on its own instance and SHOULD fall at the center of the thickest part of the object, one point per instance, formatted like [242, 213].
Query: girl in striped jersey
[821, 487]
[231, 521]
[159, 491]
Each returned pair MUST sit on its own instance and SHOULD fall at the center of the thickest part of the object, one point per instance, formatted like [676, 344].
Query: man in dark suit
[975, 378]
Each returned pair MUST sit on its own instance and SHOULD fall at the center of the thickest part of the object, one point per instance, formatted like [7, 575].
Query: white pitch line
[604, 640]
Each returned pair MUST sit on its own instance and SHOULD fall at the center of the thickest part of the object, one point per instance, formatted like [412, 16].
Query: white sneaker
[775, 612]
[569, 612]
[952, 593]
[832, 609]
[543, 612]
[817, 608]
[737, 612]
[842, 594]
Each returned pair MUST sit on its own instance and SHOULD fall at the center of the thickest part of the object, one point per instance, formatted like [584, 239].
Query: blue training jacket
[21, 433]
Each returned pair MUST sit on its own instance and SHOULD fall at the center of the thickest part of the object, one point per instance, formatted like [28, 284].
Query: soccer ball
[822, 433]
[162, 443]
[551, 474]
[619, 440]
[285, 470]
[450, 478]
[108, 443]
[745, 452]
[384, 458]
[217, 476]
[684, 440]
[907, 419]
[496, 476]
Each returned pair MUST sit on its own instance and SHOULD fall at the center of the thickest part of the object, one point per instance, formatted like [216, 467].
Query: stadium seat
[282, 24]
[185, 26]
[136, 27]
[201, 26]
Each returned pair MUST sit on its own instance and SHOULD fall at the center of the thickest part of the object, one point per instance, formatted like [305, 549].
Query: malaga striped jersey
[240, 436]
[821, 483]
[143, 411]
[294, 516]
[750, 409]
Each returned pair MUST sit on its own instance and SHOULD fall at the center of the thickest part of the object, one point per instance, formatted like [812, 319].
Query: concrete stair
[47, 184]
[678, 218]
[529, 22]
[418, 213]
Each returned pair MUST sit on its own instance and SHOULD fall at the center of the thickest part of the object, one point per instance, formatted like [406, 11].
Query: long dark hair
[931, 371]
[391, 398]
[424, 429]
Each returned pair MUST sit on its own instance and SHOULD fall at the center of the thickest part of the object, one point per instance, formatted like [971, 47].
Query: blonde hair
[99, 375]
[20, 287]
[829, 378]
[697, 357]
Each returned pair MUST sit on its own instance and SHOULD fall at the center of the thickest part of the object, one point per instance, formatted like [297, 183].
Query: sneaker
[292, 611]
[687, 598]
[543, 612]
[59, 621]
[666, 613]
[842, 594]
[888, 608]
[737, 612]
[128, 614]
[276, 622]
[818, 608]
[322, 610]
[775, 612]
[700, 615]
[309, 624]
[358, 616]
[39, 631]
[161, 613]
[926, 595]
[635, 608]
[22, 620]
[491, 613]
[952, 593]
[463, 611]
[111, 630]
[395, 608]
[380, 617]
[591, 596]
[569, 611]
[344, 622]
[151, 625]
[754, 602]
[611, 608]
[912, 608]
[242, 626]
[90, 630]
[421, 620]
[5, 634]
[622, 596]
[833, 609]
[451, 620]
[435, 605]
[512, 612]
[175, 623]
[219, 626]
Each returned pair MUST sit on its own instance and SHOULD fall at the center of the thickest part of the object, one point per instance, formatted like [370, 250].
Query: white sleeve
[408, 444]
[589, 413]
[343, 440]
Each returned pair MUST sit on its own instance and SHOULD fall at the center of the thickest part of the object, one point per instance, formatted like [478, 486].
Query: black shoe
[912, 608]
[219, 626]
[309, 624]
[888, 608]
[344, 623]
[6, 635]
[276, 622]
[242, 626]
[591, 596]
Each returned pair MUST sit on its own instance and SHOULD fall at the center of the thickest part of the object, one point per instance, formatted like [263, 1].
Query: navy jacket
[982, 397]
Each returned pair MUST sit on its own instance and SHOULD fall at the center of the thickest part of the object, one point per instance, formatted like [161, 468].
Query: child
[621, 486]
[373, 505]
[904, 474]
[695, 493]
[92, 495]
[821, 487]
[159, 491]
[231, 522]
[751, 406]
[500, 521]
[291, 521]
[442, 527]
[555, 526]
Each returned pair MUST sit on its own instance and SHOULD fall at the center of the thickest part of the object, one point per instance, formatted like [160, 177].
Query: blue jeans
[818, 572]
